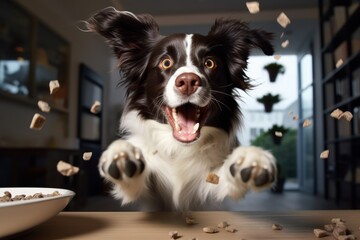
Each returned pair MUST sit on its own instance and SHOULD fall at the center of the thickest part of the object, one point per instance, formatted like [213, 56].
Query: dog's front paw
[121, 161]
[253, 166]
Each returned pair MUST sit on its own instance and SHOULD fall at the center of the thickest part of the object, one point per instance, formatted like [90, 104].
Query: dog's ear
[129, 35]
[235, 39]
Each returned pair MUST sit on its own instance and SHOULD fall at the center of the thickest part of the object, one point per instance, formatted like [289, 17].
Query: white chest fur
[180, 169]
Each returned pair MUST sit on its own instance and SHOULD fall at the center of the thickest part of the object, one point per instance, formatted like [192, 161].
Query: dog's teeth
[196, 127]
[177, 127]
[174, 114]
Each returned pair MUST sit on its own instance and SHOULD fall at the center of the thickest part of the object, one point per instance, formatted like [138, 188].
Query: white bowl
[18, 216]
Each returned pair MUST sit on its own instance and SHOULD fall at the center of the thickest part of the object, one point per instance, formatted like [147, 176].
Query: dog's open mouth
[186, 121]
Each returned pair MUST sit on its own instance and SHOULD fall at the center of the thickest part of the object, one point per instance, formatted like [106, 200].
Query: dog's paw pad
[262, 178]
[121, 161]
[253, 167]
[246, 173]
[114, 171]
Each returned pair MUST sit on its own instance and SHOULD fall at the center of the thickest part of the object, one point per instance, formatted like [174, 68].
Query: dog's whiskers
[219, 103]
[225, 94]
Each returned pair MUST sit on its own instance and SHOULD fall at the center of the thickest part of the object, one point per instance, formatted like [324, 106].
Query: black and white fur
[181, 113]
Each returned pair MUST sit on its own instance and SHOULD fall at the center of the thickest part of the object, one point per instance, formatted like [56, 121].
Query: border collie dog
[181, 113]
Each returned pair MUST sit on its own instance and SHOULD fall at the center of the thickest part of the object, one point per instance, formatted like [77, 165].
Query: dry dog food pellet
[329, 227]
[212, 178]
[336, 113]
[306, 123]
[337, 220]
[96, 107]
[285, 44]
[190, 220]
[319, 233]
[37, 122]
[8, 196]
[340, 229]
[54, 86]
[44, 106]
[230, 229]
[174, 234]
[339, 63]
[324, 154]
[253, 7]
[277, 57]
[347, 115]
[278, 134]
[283, 20]
[87, 156]
[66, 169]
[223, 224]
[276, 227]
[210, 230]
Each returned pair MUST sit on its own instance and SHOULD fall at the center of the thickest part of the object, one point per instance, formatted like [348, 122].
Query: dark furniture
[340, 41]
[90, 125]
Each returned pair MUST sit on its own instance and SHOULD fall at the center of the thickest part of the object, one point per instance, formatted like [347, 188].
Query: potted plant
[269, 100]
[278, 186]
[277, 132]
[273, 70]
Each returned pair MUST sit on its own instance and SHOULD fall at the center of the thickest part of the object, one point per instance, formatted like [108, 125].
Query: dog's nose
[187, 83]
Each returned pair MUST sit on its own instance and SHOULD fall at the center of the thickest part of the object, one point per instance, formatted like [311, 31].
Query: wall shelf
[339, 26]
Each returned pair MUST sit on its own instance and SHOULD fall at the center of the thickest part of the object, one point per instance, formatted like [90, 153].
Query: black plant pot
[268, 107]
[279, 185]
[273, 74]
[276, 139]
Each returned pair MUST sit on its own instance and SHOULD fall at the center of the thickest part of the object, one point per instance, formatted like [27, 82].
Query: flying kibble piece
[253, 7]
[37, 122]
[336, 113]
[54, 86]
[285, 44]
[324, 154]
[306, 123]
[283, 20]
[212, 178]
[44, 106]
[87, 156]
[66, 169]
[96, 107]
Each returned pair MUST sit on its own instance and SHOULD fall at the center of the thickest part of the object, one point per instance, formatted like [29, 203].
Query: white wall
[85, 48]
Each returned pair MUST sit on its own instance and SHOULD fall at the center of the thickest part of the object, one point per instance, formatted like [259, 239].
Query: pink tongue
[186, 118]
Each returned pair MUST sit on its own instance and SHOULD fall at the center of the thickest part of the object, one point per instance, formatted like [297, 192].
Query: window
[31, 55]
[15, 49]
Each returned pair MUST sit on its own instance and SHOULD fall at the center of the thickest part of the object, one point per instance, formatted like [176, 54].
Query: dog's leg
[246, 168]
[123, 165]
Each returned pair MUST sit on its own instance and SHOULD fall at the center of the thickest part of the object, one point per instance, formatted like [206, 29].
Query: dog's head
[184, 80]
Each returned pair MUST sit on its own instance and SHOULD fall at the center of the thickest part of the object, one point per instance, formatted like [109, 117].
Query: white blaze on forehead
[188, 43]
[172, 97]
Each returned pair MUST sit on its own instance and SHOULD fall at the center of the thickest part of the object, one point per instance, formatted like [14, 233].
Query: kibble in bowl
[43, 204]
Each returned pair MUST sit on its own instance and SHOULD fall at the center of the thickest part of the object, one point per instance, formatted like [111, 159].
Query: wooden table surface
[139, 225]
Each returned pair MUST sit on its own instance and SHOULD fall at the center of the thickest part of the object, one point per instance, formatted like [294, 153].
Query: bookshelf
[340, 42]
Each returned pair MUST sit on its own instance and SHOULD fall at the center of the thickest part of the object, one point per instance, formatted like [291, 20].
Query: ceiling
[197, 16]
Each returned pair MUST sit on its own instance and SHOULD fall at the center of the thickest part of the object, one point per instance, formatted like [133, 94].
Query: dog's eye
[210, 63]
[166, 63]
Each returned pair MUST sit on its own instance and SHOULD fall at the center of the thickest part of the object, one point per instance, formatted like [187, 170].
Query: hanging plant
[269, 100]
[277, 133]
[273, 70]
